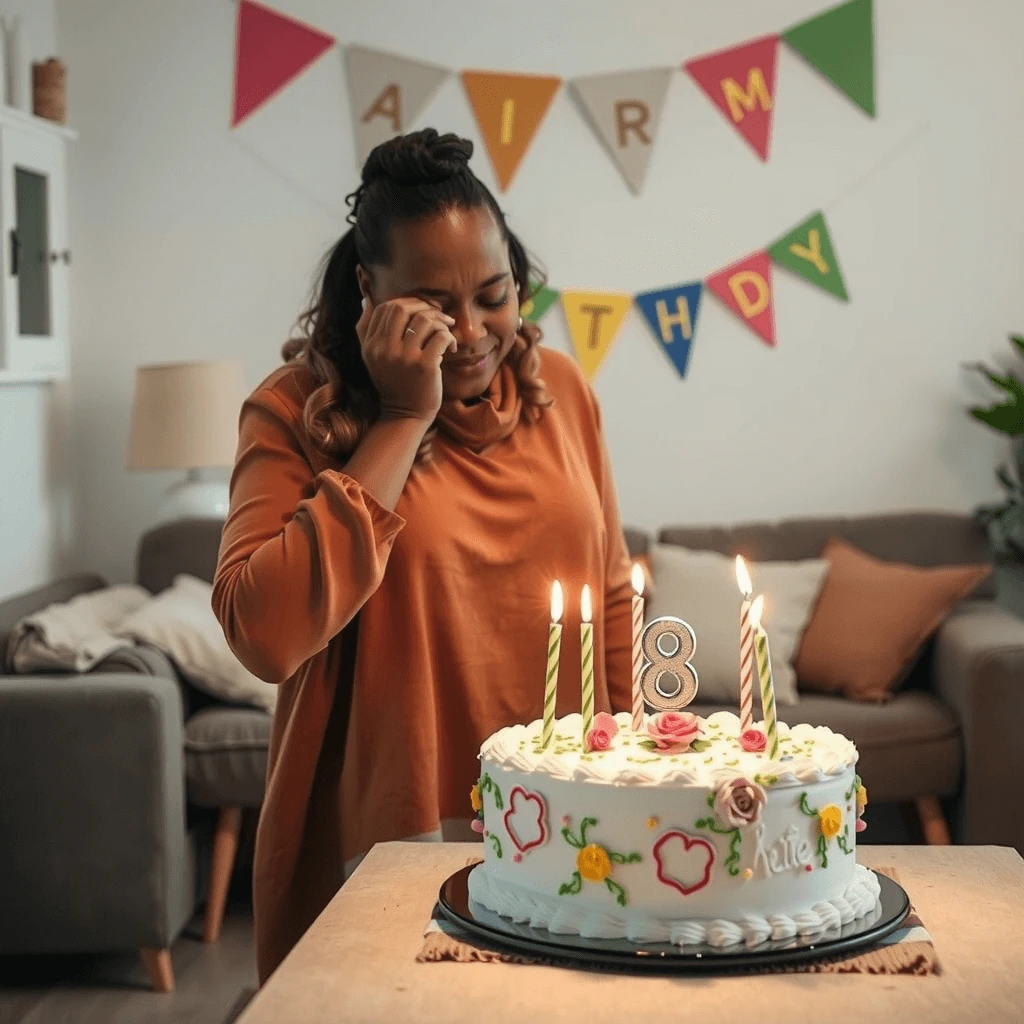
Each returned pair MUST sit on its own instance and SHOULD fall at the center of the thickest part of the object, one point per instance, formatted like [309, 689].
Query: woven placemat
[908, 950]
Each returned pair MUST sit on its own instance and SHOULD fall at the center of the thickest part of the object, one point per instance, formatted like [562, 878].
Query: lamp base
[200, 495]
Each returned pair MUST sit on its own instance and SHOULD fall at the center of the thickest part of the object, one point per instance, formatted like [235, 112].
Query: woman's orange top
[403, 639]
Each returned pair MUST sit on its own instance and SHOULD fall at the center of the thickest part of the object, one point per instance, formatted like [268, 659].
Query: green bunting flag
[807, 250]
[840, 43]
[540, 301]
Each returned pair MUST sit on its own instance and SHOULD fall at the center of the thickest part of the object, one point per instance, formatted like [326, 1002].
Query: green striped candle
[764, 673]
[551, 680]
[587, 664]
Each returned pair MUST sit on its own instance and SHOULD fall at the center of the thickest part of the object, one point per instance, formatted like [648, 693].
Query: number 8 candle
[551, 680]
[587, 662]
[764, 671]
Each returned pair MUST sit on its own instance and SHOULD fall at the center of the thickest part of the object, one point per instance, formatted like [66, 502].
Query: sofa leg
[933, 821]
[159, 968]
[225, 846]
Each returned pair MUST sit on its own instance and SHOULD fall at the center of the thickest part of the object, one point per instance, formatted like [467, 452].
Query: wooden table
[357, 962]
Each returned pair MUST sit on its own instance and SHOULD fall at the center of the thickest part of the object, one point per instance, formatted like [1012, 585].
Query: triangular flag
[594, 319]
[807, 249]
[740, 81]
[541, 299]
[672, 316]
[508, 109]
[746, 288]
[840, 43]
[386, 93]
[625, 111]
[271, 50]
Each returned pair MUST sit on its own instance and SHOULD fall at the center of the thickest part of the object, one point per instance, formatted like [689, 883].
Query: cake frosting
[701, 841]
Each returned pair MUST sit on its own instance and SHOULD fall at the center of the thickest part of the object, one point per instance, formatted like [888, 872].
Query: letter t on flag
[594, 320]
[746, 288]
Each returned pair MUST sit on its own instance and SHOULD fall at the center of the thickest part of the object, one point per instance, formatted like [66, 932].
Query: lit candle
[638, 654]
[587, 662]
[551, 680]
[764, 672]
[746, 648]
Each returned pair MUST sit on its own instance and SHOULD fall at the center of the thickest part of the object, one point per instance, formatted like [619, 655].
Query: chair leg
[933, 821]
[225, 846]
[159, 968]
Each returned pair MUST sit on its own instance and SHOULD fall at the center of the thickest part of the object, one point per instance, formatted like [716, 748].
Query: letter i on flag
[271, 50]
[508, 110]
[807, 250]
[672, 316]
[746, 288]
[594, 320]
[740, 81]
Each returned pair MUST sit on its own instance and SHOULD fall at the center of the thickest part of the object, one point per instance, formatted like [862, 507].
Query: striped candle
[764, 672]
[587, 663]
[638, 657]
[746, 648]
[551, 680]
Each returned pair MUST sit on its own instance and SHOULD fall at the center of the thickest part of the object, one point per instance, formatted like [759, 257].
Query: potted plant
[1005, 521]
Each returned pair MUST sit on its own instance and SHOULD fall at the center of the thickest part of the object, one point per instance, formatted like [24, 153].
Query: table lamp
[185, 417]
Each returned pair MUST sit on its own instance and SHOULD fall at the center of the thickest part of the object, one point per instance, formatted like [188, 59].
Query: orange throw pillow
[872, 618]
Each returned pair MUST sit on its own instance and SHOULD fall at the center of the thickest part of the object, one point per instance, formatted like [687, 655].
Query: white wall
[196, 241]
[34, 498]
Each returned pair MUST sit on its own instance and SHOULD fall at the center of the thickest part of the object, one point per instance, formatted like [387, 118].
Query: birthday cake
[681, 832]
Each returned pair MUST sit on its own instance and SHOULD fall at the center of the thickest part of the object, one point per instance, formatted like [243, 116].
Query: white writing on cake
[787, 853]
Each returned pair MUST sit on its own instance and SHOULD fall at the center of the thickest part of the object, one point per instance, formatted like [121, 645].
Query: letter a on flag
[807, 249]
[672, 316]
[746, 288]
[509, 110]
[740, 81]
[271, 50]
[594, 320]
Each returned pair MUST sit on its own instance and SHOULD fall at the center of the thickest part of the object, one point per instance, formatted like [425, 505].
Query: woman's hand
[403, 341]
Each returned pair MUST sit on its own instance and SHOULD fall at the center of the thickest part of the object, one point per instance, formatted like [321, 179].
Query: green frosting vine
[580, 842]
[732, 862]
[496, 843]
[488, 785]
[573, 887]
[823, 850]
[811, 812]
[843, 841]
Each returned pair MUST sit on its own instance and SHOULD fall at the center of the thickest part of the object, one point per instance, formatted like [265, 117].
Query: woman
[407, 488]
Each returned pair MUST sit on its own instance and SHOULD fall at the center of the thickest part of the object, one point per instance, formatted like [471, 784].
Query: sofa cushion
[226, 756]
[909, 747]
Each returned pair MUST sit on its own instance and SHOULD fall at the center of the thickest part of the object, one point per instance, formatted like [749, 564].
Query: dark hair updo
[404, 179]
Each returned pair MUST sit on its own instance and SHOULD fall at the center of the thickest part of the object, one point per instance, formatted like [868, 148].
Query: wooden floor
[213, 982]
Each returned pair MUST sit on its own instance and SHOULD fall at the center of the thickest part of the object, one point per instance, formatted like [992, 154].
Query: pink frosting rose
[739, 802]
[673, 731]
[601, 732]
[753, 740]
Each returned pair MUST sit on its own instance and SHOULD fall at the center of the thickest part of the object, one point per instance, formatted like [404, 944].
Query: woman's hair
[405, 179]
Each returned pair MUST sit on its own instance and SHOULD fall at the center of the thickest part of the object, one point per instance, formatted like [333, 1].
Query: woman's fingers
[439, 341]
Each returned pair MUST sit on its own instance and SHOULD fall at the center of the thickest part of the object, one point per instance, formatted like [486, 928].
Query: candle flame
[743, 577]
[638, 578]
[586, 609]
[756, 611]
[557, 604]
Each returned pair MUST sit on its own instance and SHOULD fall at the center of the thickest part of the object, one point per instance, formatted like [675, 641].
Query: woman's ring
[410, 330]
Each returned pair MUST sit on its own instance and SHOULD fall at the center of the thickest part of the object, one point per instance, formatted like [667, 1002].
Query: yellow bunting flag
[594, 320]
[509, 109]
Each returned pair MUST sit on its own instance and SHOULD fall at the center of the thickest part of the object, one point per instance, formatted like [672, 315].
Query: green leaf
[1018, 340]
[573, 887]
[648, 744]
[711, 800]
[809, 811]
[584, 825]
[1006, 419]
[617, 890]
[699, 746]
[496, 842]
[570, 837]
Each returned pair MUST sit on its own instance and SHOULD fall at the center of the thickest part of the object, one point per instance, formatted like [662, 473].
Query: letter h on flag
[671, 313]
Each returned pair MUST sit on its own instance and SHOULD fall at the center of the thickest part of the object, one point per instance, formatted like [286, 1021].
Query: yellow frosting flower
[593, 863]
[474, 798]
[830, 818]
[862, 799]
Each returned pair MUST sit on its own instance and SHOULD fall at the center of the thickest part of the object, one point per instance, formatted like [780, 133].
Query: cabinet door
[35, 255]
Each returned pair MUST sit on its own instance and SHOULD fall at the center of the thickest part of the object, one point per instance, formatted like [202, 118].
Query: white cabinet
[35, 252]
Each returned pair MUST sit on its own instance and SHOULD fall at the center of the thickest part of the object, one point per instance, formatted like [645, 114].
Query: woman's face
[457, 261]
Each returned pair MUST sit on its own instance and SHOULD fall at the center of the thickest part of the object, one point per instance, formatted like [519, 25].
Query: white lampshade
[185, 415]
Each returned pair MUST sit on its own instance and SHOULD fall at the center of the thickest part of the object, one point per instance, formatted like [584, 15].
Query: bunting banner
[624, 109]
[671, 313]
[807, 250]
[746, 288]
[386, 93]
[508, 109]
[740, 81]
[271, 50]
[840, 43]
[594, 319]
[541, 299]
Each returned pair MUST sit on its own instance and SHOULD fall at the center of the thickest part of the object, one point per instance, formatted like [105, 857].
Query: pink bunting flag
[746, 288]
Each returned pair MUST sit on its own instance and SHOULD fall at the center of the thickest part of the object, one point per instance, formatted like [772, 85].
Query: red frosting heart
[542, 810]
[688, 843]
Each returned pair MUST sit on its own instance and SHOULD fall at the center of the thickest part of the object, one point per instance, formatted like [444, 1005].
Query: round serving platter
[576, 951]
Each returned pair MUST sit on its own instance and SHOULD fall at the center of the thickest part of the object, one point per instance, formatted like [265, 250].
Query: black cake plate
[663, 957]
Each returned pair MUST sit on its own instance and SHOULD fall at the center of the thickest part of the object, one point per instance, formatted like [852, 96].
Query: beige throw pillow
[180, 622]
[700, 587]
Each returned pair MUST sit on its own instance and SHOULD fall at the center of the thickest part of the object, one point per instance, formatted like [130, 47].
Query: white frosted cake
[675, 834]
